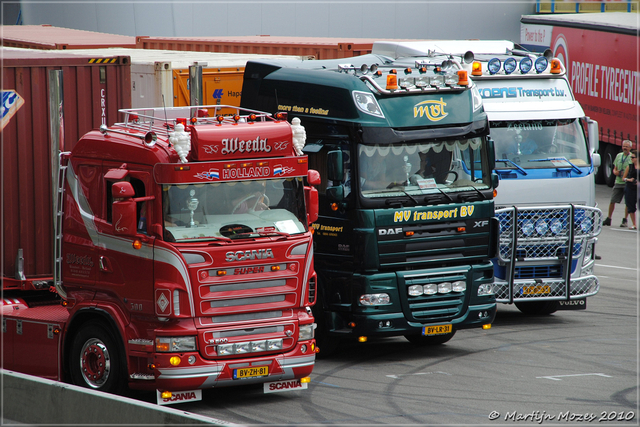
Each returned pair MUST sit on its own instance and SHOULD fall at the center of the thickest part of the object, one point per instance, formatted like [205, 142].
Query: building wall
[453, 19]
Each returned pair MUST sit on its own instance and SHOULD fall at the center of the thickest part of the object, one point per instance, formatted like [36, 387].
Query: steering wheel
[260, 202]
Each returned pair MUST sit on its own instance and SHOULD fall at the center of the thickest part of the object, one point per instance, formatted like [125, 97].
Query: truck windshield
[539, 144]
[234, 210]
[423, 168]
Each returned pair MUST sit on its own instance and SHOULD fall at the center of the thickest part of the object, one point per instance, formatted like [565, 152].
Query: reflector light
[222, 272]
[476, 69]
[281, 115]
[525, 65]
[494, 66]
[182, 121]
[175, 361]
[220, 119]
[334, 206]
[194, 120]
[541, 64]
[556, 67]
[305, 380]
[362, 339]
[252, 117]
[181, 168]
[236, 118]
[486, 326]
[392, 82]
[246, 165]
[407, 70]
[510, 65]
[137, 244]
[166, 395]
[275, 268]
[352, 324]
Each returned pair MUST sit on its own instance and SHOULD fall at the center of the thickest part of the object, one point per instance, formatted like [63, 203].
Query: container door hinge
[19, 327]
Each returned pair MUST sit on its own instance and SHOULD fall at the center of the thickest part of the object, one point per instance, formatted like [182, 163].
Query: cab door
[125, 264]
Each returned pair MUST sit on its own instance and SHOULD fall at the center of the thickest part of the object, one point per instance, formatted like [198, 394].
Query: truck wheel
[422, 341]
[607, 164]
[537, 307]
[96, 360]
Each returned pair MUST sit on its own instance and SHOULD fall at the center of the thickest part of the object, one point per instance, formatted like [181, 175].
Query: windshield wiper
[405, 192]
[549, 159]
[426, 199]
[462, 197]
[261, 234]
[515, 165]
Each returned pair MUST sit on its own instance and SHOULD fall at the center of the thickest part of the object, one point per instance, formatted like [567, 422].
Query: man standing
[620, 163]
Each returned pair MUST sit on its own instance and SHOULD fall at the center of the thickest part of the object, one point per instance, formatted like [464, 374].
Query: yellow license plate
[437, 330]
[536, 290]
[258, 371]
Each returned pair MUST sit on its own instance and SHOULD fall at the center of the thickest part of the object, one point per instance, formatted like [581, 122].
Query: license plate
[437, 330]
[258, 371]
[179, 397]
[536, 290]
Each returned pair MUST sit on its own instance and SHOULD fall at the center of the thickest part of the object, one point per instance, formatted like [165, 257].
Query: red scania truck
[183, 258]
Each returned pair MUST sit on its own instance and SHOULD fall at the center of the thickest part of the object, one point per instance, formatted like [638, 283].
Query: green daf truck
[406, 229]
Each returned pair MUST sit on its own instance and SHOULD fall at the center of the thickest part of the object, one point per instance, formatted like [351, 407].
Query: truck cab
[546, 157]
[406, 225]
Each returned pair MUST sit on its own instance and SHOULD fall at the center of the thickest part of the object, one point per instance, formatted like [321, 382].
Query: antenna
[166, 122]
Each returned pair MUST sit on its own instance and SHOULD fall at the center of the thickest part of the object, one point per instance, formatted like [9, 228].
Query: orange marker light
[221, 272]
[461, 229]
[556, 67]
[392, 82]
[334, 206]
[137, 244]
[409, 233]
[476, 69]
[463, 78]
[275, 268]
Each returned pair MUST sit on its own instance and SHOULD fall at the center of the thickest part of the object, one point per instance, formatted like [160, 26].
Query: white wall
[452, 19]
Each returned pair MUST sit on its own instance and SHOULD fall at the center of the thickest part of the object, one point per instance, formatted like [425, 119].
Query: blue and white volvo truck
[546, 156]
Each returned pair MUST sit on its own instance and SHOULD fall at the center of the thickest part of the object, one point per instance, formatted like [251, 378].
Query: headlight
[306, 332]
[431, 289]
[556, 226]
[510, 65]
[459, 286]
[541, 64]
[444, 287]
[542, 227]
[415, 290]
[175, 344]
[527, 227]
[494, 65]
[586, 225]
[477, 99]
[485, 289]
[525, 65]
[375, 299]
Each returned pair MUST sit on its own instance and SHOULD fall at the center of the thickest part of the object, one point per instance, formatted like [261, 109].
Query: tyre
[96, 360]
[607, 164]
[537, 307]
[429, 340]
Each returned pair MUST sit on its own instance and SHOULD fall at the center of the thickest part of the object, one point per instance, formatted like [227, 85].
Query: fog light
[258, 346]
[191, 360]
[175, 360]
[444, 287]
[303, 348]
[459, 286]
[415, 290]
[487, 326]
[485, 289]
[274, 344]
[431, 289]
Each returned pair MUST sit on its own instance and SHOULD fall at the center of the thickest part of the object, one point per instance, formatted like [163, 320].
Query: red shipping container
[49, 37]
[92, 93]
[319, 47]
